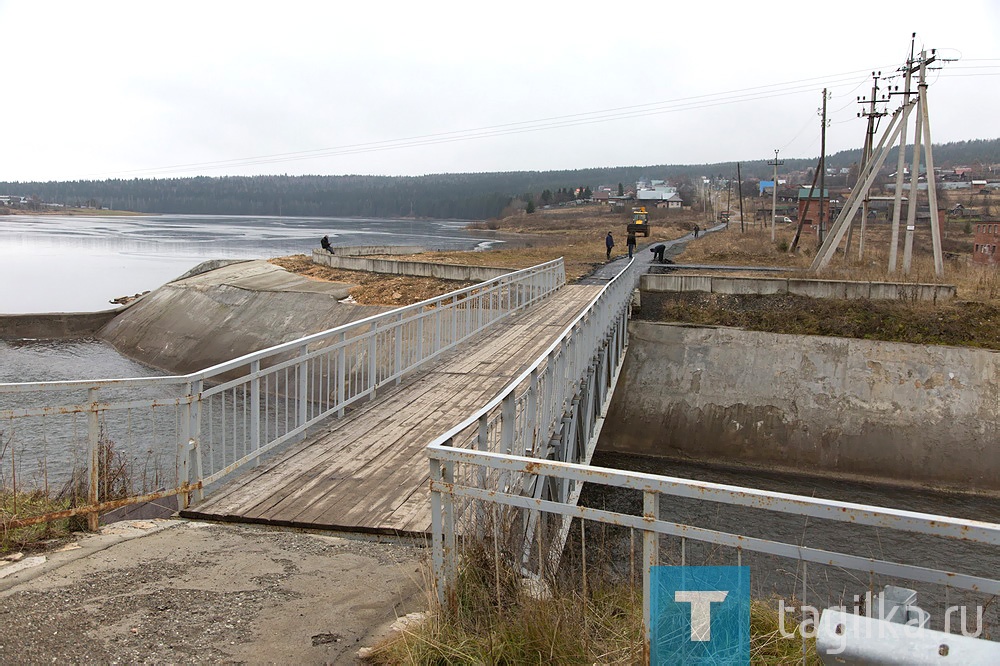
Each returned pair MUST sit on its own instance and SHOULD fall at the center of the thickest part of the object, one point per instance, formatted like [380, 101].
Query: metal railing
[176, 435]
[458, 474]
[553, 411]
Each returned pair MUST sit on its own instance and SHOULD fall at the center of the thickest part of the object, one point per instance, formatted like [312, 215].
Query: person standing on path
[630, 242]
[609, 242]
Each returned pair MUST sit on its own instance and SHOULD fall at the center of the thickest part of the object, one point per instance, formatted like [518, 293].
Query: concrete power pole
[774, 191]
[873, 117]
[822, 172]
[896, 129]
[901, 163]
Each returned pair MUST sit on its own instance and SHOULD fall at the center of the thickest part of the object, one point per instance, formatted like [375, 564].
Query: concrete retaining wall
[414, 268]
[363, 250]
[814, 288]
[916, 414]
[56, 326]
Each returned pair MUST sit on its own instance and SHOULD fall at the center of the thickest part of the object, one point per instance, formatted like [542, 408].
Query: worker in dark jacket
[610, 243]
[325, 244]
[658, 251]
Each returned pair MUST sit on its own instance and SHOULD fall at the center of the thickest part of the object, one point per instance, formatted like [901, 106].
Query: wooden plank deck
[368, 472]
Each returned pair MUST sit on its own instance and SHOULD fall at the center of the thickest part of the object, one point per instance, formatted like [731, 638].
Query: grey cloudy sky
[102, 89]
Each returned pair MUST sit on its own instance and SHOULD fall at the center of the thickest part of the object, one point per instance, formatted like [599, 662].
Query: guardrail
[458, 477]
[112, 442]
[554, 410]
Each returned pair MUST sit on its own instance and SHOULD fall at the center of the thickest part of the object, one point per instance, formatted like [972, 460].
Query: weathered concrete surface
[173, 591]
[362, 250]
[414, 268]
[196, 322]
[55, 326]
[719, 284]
[917, 414]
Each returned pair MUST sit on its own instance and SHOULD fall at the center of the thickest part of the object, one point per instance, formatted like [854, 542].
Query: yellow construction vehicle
[640, 222]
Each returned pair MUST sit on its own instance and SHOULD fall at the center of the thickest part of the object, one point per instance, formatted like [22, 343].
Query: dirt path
[175, 591]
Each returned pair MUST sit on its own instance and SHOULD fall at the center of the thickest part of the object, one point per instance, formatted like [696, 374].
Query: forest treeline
[469, 196]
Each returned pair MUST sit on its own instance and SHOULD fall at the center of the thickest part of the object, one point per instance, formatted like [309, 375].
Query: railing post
[650, 559]
[373, 360]
[93, 460]
[302, 404]
[194, 438]
[437, 531]
[184, 450]
[342, 374]
[483, 444]
[254, 409]
[443, 554]
[399, 350]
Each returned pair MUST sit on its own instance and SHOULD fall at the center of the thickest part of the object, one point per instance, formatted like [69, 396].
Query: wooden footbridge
[368, 471]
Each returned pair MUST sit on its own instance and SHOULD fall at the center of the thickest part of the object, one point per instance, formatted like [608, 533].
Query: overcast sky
[159, 89]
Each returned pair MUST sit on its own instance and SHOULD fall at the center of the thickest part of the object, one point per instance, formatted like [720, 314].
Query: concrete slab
[175, 591]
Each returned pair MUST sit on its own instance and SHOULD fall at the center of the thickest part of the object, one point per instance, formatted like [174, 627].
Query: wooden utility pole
[774, 191]
[805, 212]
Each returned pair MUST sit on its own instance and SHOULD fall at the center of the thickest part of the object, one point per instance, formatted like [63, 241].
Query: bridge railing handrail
[231, 413]
[620, 286]
[215, 370]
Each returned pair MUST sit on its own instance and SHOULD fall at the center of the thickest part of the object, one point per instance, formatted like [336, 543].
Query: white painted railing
[179, 434]
[553, 411]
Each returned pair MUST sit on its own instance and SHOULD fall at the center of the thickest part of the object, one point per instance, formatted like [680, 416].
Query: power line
[570, 120]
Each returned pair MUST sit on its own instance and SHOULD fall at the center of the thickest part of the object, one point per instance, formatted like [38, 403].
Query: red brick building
[987, 241]
[810, 222]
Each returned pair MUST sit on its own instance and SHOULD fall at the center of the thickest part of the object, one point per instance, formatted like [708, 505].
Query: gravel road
[175, 591]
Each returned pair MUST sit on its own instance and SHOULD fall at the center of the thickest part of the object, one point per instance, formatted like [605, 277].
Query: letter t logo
[701, 610]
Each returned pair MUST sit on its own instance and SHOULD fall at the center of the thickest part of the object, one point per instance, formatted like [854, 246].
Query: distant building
[810, 218]
[654, 191]
[987, 238]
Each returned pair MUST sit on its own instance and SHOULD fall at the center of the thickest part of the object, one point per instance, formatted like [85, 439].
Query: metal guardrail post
[373, 360]
[302, 397]
[194, 438]
[443, 543]
[342, 374]
[93, 460]
[437, 535]
[184, 449]
[255, 409]
[398, 356]
[650, 559]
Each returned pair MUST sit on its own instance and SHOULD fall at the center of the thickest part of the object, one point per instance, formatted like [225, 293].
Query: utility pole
[739, 189]
[901, 162]
[896, 129]
[729, 200]
[873, 117]
[774, 191]
[822, 166]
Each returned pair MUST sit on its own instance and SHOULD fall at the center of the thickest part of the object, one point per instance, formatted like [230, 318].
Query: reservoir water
[57, 263]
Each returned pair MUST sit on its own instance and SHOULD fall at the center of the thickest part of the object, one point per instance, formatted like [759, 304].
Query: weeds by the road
[496, 618]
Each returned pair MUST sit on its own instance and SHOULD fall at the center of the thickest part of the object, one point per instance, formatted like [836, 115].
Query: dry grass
[372, 288]
[575, 234]
[493, 620]
[754, 247]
